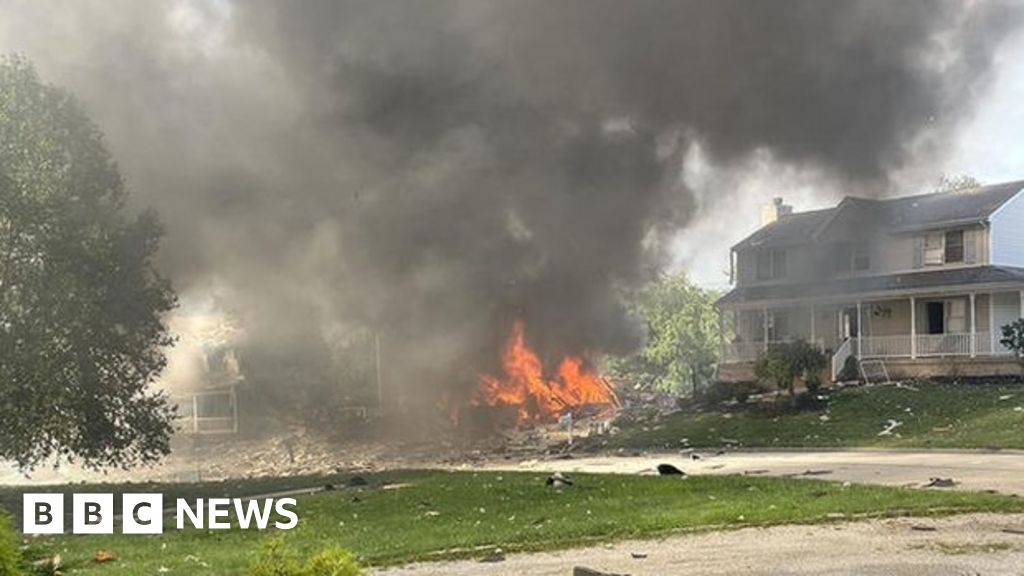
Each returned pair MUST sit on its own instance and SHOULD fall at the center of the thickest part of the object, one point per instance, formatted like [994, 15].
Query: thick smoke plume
[432, 170]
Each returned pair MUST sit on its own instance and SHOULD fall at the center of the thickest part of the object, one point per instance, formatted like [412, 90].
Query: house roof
[862, 285]
[894, 215]
[796, 228]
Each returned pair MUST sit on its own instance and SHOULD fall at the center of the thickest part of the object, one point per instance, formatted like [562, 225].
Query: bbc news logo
[144, 513]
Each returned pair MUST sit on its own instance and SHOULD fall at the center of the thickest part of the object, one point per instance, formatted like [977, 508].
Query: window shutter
[918, 251]
[970, 246]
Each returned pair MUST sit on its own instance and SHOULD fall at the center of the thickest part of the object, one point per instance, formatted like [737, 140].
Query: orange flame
[536, 397]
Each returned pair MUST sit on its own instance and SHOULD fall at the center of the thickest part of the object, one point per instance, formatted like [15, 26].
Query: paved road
[1002, 471]
[988, 544]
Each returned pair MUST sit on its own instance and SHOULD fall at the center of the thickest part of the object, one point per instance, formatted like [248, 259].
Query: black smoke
[432, 170]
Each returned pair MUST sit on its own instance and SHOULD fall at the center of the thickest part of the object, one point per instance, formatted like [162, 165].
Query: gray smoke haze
[435, 169]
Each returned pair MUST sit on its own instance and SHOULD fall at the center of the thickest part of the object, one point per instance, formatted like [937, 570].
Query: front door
[936, 314]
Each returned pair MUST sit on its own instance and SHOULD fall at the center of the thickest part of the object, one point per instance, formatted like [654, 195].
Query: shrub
[277, 558]
[10, 551]
[333, 562]
[1013, 338]
[783, 363]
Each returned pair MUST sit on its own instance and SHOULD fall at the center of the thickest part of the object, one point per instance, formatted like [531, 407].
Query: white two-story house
[924, 282]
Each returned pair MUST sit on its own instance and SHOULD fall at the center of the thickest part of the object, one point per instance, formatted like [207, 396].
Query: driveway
[1002, 471]
[989, 544]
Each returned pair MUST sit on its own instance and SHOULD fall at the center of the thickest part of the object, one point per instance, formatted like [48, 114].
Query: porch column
[860, 331]
[913, 327]
[991, 323]
[764, 324]
[721, 334]
[813, 338]
[974, 339]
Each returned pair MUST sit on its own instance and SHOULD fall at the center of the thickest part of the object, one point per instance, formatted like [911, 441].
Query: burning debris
[537, 397]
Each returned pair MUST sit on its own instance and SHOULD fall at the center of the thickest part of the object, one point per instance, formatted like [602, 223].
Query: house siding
[1007, 233]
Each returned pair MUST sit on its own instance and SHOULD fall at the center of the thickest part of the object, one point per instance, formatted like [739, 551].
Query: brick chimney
[772, 212]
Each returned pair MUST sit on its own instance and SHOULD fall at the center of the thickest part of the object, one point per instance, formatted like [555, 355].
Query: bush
[10, 551]
[1013, 339]
[276, 558]
[782, 364]
[333, 562]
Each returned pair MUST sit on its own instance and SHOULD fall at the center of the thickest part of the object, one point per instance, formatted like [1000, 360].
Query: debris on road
[583, 571]
[941, 483]
[669, 470]
[496, 555]
[923, 528]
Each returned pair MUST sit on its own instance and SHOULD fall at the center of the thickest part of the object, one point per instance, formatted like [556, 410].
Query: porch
[924, 325]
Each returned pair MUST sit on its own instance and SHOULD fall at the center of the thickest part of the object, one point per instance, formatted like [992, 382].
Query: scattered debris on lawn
[50, 565]
[890, 425]
[755, 472]
[941, 483]
[357, 481]
[669, 470]
[104, 556]
[558, 480]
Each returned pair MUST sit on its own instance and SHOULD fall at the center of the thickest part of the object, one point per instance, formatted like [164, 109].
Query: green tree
[81, 329]
[682, 336]
[783, 363]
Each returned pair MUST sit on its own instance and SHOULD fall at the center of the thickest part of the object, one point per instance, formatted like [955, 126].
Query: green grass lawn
[935, 416]
[436, 514]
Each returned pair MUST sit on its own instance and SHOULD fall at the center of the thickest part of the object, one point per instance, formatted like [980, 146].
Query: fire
[535, 396]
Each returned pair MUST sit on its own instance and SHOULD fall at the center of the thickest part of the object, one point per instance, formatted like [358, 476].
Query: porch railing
[844, 351]
[750, 351]
[928, 345]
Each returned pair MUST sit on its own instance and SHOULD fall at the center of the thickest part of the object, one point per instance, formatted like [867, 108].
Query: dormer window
[944, 248]
[771, 263]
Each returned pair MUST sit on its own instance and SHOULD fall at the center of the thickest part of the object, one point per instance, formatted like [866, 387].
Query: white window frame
[934, 248]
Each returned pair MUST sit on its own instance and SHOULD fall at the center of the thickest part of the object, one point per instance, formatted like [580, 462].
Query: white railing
[944, 344]
[885, 346]
[929, 345]
[988, 344]
[839, 358]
